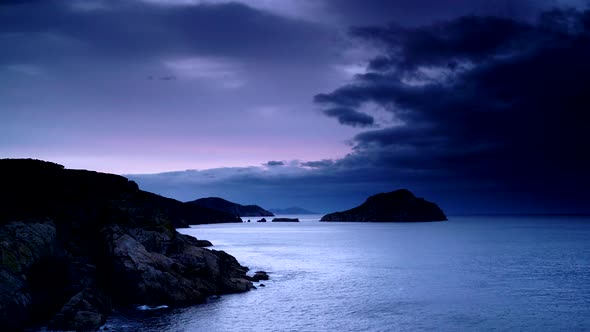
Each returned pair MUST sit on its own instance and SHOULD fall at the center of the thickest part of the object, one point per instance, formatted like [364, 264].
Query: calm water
[471, 273]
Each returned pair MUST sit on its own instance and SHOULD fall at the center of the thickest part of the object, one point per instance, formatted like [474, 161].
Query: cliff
[75, 243]
[232, 208]
[396, 206]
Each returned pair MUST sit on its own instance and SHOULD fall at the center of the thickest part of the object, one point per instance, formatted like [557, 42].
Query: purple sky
[336, 92]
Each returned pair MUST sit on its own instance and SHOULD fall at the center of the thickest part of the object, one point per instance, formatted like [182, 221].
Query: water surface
[470, 273]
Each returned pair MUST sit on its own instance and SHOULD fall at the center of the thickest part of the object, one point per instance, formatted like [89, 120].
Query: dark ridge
[35, 188]
[232, 208]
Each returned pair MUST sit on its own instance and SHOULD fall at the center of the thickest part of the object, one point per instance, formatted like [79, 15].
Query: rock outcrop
[232, 208]
[285, 220]
[75, 243]
[396, 206]
[259, 275]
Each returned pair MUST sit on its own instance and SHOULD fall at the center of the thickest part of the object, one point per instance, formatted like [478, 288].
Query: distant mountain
[292, 210]
[182, 215]
[235, 209]
[399, 205]
[46, 186]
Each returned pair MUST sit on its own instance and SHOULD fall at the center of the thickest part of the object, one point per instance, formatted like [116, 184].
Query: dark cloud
[470, 38]
[491, 102]
[491, 125]
[486, 111]
[318, 164]
[322, 189]
[419, 12]
[349, 116]
[125, 30]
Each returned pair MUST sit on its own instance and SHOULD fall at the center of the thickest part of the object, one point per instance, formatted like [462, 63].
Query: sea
[470, 273]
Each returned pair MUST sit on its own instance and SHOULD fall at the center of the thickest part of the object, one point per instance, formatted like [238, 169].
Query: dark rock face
[285, 220]
[261, 220]
[83, 312]
[73, 244]
[232, 208]
[25, 248]
[396, 206]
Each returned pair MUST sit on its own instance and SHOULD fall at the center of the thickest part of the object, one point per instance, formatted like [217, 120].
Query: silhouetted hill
[38, 188]
[399, 205]
[235, 209]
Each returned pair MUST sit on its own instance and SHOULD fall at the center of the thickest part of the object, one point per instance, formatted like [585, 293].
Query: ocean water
[467, 274]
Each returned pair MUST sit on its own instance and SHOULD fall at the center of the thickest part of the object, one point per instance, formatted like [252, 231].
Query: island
[285, 220]
[74, 244]
[396, 206]
[235, 209]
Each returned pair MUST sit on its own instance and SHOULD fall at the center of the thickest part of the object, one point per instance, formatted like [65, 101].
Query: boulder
[85, 311]
[259, 275]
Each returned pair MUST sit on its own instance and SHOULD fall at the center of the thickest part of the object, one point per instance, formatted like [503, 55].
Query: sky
[479, 105]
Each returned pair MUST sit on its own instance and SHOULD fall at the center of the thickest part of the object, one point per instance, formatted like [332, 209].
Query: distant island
[396, 206]
[285, 220]
[235, 209]
[74, 244]
[292, 210]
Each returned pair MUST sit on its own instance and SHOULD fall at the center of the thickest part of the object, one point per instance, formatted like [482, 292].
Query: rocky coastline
[74, 244]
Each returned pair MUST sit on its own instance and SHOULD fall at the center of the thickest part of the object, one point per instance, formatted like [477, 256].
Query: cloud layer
[476, 104]
[493, 102]
[491, 116]
[148, 86]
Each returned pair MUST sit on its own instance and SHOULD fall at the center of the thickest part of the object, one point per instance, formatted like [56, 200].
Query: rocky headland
[220, 204]
[396, 206]
[75, 243]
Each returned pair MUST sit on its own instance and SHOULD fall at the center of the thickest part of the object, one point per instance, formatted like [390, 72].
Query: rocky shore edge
[74, 244]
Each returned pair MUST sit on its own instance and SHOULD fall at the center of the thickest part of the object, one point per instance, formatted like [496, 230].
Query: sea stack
[396, 206]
